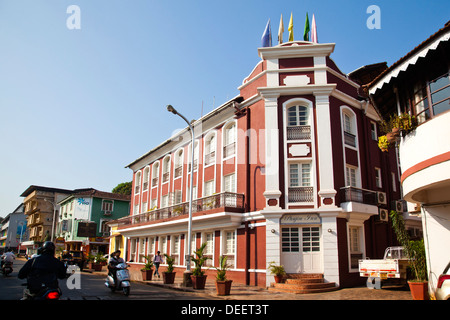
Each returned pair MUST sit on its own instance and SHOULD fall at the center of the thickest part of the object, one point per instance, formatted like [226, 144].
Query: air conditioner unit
[381, 196]
[399, 206]
[107, 213]
[384, 215]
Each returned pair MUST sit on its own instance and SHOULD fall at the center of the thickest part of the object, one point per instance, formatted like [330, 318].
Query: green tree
[123, 188]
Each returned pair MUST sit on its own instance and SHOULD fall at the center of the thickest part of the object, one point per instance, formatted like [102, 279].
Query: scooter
[123, 279]
[7, 268]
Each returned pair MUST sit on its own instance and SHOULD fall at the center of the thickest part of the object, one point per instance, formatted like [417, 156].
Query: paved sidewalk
[244, 292]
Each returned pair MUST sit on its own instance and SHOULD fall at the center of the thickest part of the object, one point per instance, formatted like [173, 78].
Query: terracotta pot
[96, 266]
[395, 132]
[390, 137]
[278, 279]
[223, 287]
[169, 277]
[419, 290]
[198, 282]
[147, 275]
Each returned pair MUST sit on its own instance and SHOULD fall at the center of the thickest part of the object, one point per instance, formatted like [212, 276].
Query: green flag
[306, 32]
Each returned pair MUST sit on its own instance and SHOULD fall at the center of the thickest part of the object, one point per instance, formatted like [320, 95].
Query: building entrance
[301, 249]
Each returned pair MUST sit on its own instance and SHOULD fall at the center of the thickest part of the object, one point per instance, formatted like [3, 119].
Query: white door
[300, 249]
[311, 253]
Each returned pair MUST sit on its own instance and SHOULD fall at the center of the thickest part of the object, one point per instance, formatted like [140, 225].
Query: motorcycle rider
[8, 257]
[113, 262]
[44, 269]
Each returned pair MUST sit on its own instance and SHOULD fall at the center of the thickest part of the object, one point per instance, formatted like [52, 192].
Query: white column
[325, 151]
[272, 166]
[330, 247]
[273, 245]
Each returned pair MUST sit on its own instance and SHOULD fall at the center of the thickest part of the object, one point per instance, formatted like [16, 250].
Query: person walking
[157, 260]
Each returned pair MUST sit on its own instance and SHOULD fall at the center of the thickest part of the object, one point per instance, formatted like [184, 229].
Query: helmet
[48, 247]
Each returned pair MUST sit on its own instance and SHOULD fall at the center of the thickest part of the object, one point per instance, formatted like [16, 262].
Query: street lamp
[188, 260]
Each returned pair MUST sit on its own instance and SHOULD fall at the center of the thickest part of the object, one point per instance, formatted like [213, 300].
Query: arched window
[195, 157]
[179, 163]
[298, 126]
[166, 169]
[155, 174]
[146, 177]
[210, 149]
[229, 143]
[137, 182]
[349, 127]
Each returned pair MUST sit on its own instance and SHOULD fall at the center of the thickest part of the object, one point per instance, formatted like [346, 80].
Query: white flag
[280, 30]
[314, 30]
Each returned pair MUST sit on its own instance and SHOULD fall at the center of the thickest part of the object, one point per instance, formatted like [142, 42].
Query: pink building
[288, 171]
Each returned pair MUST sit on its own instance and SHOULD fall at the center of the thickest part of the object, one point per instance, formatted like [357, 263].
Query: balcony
[299, 133]
[352, 194]
[228, 201]
[349, 139]
[358, 202]
[301, 194]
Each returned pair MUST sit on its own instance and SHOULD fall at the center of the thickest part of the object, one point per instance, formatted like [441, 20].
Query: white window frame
[352, 230]
[229, 133]
[378, 178]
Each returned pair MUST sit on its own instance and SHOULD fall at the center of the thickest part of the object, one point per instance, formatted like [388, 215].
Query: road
[91, 287]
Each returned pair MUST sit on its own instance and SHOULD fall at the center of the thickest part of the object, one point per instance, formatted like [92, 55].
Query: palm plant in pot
[147, 270]
[277, 270]
[223, 285]
[169, 275]
[415, 250]
[198, 275]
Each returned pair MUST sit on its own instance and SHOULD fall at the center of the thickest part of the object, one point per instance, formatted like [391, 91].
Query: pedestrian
[157, 261]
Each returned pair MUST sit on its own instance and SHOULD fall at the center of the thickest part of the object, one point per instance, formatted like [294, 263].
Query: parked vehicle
[7, 268]
[123, 279]
[393, 266]
[443, 285]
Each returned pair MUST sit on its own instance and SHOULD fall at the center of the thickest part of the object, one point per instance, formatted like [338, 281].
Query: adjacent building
[14, 231]
[418, 84]
[41, 210]
[287, 171]
[83, 217]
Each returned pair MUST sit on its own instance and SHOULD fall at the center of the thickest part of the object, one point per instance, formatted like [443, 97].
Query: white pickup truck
[392, 266]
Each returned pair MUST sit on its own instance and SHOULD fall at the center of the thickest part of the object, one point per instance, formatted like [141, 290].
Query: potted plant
[169, 275]
[277, 271]
[96, 262]
[415, 251]
[223, 285]
[198, 275]
[383, 143]
[147, 270]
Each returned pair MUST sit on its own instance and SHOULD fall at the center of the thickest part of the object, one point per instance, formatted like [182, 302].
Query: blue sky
[77, 106]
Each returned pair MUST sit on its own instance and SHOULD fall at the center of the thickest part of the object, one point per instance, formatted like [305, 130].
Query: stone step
[303, 291]
[304, 286]
[303, 283]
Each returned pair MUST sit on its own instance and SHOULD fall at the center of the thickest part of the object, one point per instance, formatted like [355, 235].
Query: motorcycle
[7, 268]
[45, 293]
[123, 279]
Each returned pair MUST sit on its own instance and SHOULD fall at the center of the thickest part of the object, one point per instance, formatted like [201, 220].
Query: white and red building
[288, 171]
[419, 84]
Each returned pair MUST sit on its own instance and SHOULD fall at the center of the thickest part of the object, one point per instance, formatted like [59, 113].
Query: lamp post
[186, 276]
